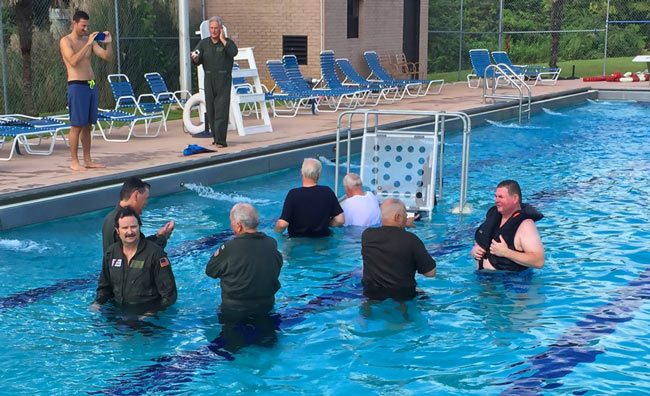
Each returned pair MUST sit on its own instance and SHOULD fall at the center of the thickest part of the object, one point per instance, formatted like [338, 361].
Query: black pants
[217, 102]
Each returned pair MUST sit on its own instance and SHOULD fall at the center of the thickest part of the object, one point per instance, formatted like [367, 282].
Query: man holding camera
[83, 98]
[216, 53]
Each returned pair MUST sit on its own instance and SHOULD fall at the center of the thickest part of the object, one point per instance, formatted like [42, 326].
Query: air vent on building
[295, 45]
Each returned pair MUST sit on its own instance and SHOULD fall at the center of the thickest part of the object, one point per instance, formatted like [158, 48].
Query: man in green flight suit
[216, 53]
[135, 271]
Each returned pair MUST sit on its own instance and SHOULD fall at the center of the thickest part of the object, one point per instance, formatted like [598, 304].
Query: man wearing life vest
[508, 239]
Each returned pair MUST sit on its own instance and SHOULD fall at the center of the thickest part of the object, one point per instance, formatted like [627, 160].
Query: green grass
[584, 67]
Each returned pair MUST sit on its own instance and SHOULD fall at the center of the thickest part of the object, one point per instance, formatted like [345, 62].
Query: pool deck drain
[32, 178]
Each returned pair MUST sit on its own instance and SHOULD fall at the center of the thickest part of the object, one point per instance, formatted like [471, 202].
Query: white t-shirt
[361, 210]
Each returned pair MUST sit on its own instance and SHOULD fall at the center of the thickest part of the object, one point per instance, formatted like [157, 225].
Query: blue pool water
[578, 326]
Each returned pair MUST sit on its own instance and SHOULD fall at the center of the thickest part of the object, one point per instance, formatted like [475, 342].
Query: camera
[196, 52]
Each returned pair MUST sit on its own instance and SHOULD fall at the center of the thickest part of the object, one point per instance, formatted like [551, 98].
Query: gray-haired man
[216, 53]
[249, 265]
[310, 210]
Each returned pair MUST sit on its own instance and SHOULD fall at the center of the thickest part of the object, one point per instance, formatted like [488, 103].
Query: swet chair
[125, 100]
[380, 74]
[333, 99]
[331, 78]
[19, 128]
[163, 95]
[389, 91]
[480, 59]
[540, 74]
[119, 118]
[285, 98]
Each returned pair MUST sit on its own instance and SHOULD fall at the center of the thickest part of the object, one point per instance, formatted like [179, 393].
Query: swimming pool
[578, 326]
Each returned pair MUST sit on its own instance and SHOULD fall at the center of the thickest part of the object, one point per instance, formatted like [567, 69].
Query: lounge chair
[20, 128]
[389, 91]
[122, 118]
[334, 99]
[480, 59]
[379, 73]
[292, 99]
[331, 78]
[163, 95]
[540, 74]
[125, 99]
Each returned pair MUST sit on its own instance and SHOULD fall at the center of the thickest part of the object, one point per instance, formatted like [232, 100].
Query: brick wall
[261, 24]
[380, 29]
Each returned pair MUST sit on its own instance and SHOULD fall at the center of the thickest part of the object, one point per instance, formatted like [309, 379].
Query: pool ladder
[505, 72]
[377, 155]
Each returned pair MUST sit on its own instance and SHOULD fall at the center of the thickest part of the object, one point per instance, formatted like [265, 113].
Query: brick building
[305, 27]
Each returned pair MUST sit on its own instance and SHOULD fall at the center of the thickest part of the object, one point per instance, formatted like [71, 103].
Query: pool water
[578, 326]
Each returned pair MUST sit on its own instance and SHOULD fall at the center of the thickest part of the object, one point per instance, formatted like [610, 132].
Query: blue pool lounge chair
[163, 95]
[330, 100]
[20, 128]
[125, 100]
[119, 118]
[331, 78]
[352, 77]
[380, 74]
[285, 98]
[540, 74]
[480, 59]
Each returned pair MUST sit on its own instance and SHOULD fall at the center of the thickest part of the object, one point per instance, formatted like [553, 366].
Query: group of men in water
[136, 269]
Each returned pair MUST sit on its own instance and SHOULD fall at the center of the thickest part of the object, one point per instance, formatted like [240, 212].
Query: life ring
[195, 100]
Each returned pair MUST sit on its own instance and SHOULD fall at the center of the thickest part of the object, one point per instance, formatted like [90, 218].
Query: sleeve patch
[164, 262]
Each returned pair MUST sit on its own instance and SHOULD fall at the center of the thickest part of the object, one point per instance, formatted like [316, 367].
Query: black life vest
[490, 230]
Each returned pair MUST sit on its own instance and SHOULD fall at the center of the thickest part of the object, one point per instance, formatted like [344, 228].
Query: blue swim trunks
[82, 102]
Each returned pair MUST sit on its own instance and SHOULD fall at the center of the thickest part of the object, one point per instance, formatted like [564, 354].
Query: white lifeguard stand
[236, 120]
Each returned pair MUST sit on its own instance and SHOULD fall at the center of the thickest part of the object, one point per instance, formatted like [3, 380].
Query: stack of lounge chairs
[292, 93]
[481, 63]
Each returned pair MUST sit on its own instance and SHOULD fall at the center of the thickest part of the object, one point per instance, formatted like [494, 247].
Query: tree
[556, 24]
[24, 10]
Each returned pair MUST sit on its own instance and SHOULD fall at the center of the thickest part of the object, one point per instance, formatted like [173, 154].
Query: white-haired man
[310, 210]
[360, 208]
[216, 53]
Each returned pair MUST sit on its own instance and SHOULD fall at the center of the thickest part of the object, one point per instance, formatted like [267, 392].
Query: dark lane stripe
[167, 373]
[574, 347]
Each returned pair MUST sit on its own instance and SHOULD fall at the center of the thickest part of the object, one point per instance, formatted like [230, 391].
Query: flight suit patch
[164, 262]
[116, 263]
[137, 264]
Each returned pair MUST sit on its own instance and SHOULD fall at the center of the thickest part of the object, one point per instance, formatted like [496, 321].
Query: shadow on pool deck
[26, 176]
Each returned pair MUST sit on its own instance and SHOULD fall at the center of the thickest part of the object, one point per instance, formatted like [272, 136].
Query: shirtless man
[83, 98]
[508, 239]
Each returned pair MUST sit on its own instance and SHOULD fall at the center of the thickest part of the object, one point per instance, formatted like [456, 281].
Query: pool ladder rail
[501, 71]
[405, 163]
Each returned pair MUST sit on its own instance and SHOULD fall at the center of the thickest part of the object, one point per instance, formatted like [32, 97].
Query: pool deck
[25, 177]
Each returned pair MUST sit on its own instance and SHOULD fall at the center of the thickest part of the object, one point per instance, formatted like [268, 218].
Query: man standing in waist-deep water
[508, 239]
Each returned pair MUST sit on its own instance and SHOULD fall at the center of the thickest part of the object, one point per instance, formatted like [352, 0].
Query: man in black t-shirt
[310, 210]
[391, 256]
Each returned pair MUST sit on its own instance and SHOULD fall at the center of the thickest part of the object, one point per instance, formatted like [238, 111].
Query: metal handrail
[502, 70]
[440, 118]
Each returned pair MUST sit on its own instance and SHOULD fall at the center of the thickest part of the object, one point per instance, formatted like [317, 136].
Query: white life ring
[195, 100]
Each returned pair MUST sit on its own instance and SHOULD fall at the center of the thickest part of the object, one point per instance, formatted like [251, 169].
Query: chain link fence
[145, 34]
[538, 32]
[145, 39]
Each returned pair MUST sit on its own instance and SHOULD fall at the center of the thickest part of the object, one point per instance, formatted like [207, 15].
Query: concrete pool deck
[31, 178]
